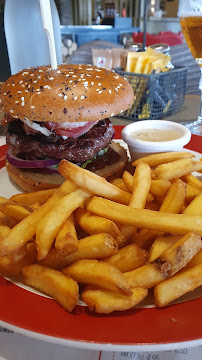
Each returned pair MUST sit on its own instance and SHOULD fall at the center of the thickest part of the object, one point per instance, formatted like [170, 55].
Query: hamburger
[62, 114]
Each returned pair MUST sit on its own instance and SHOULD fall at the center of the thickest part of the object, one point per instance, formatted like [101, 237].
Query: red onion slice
[29, 164]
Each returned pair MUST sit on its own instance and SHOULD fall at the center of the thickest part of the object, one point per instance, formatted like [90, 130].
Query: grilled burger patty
[78, 149]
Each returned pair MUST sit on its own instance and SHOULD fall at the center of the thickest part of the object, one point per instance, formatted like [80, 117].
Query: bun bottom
[33, 181]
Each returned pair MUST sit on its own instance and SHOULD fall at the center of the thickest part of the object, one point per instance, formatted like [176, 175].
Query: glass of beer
[190, 14]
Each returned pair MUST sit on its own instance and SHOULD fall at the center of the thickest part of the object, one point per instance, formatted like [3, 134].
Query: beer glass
[190, 14]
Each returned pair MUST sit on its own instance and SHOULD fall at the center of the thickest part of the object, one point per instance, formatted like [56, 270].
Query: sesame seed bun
[33, 181]
[72, 93]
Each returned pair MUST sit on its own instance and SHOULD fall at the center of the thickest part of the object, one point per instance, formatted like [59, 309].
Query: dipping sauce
[155, 135]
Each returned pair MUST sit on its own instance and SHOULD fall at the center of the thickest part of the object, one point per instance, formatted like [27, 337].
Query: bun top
[70, 93]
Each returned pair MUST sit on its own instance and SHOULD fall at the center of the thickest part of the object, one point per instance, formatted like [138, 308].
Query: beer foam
[183, 14]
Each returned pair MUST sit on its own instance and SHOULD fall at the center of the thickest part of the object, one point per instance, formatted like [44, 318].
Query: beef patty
[77, 150]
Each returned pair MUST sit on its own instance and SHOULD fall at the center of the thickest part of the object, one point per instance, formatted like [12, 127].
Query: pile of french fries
[109, 242]
[146, 63]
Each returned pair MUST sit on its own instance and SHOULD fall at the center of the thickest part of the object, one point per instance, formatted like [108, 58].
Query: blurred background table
[189, 111]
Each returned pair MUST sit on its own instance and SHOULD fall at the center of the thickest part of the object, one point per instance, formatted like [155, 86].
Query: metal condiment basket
[156, 95]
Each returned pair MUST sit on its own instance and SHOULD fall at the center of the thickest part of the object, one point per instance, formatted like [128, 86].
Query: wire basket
[156, 95]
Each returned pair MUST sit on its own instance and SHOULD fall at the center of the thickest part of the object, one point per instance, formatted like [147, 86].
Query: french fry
[177, 168]
[145, 238]
[145, 276]
[116, 181]
[197, 259]
[143, 218]
[195, 207]
[4, 230]
[66, 241]
[192, 181]
[12, 265]
[160, 245]
[142, 183]
[33, 197]
[48, 228]
[160, 187]
[105, 302]
[92, 183]
[162, 158]
[7, 220]
[178, 285]
[172, 203]
[26, 229]
[141, 186]
[180, 253]
[93, 224]
[175, 198]
[62, 288]
[96, 246]
[192, 192]
[152, 206]
[128, 258]
[128, 181]
[94, 272]
[16, 211]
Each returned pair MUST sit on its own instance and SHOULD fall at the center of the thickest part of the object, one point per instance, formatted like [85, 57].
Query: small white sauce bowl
[139, 148]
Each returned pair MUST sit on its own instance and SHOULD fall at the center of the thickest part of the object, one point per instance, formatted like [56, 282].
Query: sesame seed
[31, 74]
[35, 81]
[11, 111]
[120, 85]
[13, 84]
[40, 70]
[82, 97]
[8, 84]
[67, 75]
[22, 104]
[38, 89]
[75, 98]
[32, 107]
[99, 84]
[21, 81]
[60, 95]
[74, 75]
[99, 92]
[22, 98]
[89, 69]
[80, 68]
[112, 114]
[51, 78]
[110, 91]
[38, 93]
[65, 97]
[71, 72]
[58, 71]
[92, 83]
[70, 81]
[16, 101]
[5, 93]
